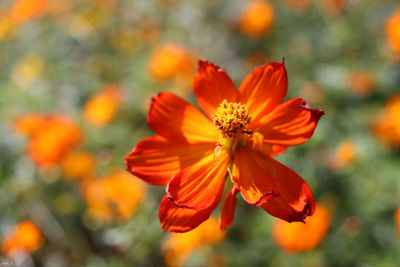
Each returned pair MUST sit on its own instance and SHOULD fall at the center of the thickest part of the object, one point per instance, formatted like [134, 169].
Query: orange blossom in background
[25, 236]
[239, 133]
[297, 237]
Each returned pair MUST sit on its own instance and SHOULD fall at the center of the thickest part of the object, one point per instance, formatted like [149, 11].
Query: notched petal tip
[305, 106]
[204, 64]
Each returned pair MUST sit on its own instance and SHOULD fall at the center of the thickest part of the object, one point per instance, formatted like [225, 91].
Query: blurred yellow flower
[296, 237]
[26, 236]
[344, 156]
[78, 165]
[386, 125]
[27, 71]
[179, 246]
[393, 31]
[114, 196]
[361, 83]
[170, 61]
[257, 19]
[54, 138]
[101, 108]
[23, 10]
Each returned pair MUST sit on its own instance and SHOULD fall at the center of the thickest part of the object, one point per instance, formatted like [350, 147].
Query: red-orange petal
[295, 200]
[177, 120]
[263, 90]
[155, 160]
[254, 183]
[198, 186]
[212, 85]
[228, 209]
[181, 219]
[291, 123]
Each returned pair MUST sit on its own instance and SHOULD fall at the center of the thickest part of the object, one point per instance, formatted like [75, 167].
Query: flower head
[101, 108]
[113, 196]
[297, 237]
[25, 236]
[179, 246]
[386, 126]
[393, 31]
[239, 133]
[51, 136]
[257, 19]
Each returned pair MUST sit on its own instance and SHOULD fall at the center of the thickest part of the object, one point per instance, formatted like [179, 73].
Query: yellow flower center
[232, 119]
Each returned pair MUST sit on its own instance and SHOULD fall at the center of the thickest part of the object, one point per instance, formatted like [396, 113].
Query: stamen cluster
[231, 118]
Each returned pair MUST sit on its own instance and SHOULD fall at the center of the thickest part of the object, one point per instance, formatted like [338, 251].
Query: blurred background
[76, 78]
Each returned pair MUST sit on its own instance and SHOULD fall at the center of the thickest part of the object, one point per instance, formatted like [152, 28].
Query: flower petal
[228, 209]
[291, 123]
[263, 90]
[179, 121]
[255, 184]
[212, 85]
[257, 144]
[198, 186]
[155, 160]
[181, 219]
[295, 200]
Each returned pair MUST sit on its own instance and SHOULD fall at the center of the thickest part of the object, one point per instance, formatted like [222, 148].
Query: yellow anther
[232, 119]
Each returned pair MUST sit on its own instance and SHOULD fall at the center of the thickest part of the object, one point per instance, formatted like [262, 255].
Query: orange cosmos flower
[393, 31]
[397, 218]
[23, 10]
[25, 236]
[386, 126]
[53, 140]
[179, 246]
[29, 124]
[171, 60]
[361, 82]
[344, 156]
[116, 195]
[297, 237]
[240, 132]
[78, 165]
[102, 107]
[256, 19]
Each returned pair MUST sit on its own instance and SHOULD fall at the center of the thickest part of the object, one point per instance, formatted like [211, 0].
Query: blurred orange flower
[53, 140]
[397, 218]
[51, 136]
[386, 126]
[23, 10]
[344, 156]
[361, 82]
[25, 236]
[29, 124]
[179, 246]
[113, 196]
[393, 31]
[78, 165]
[297, 237]
[101, 108]
[170, 61]
[240, 131]
[257, 19]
